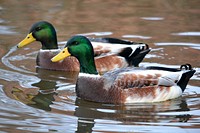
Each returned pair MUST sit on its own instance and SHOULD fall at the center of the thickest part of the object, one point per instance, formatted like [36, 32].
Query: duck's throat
[88, 67]
[49, 44]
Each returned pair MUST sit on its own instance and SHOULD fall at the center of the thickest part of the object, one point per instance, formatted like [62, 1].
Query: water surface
[37, 100]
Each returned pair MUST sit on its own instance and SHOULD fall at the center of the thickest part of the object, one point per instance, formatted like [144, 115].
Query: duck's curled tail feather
[135, 57]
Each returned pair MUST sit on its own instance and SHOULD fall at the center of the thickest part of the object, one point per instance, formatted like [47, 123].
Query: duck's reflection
[87, 112]
[85, 125]
[34, 97]
[68, 77]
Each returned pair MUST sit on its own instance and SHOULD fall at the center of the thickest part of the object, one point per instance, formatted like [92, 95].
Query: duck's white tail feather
[170, 79]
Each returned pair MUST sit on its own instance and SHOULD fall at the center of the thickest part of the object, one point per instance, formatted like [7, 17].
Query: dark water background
[170, 27]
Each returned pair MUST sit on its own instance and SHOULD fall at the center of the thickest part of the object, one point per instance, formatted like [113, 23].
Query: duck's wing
[144, 78]
[151, 85]
[137, 79]
[110, 62]
[125, 55]
[105, 48]
[126, 58]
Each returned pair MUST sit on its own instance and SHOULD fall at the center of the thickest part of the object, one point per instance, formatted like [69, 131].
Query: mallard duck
[123, 85]
[114, 55]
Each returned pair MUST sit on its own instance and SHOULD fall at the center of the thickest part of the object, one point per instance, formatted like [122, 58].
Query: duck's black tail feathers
[185, 79]
[135, 57]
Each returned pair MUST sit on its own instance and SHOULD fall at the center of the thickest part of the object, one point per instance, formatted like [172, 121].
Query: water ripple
[7, 58]
[6, 30]
[152, 18]
[187, 33]
[24, 80]
[136, 36]
[96, 33]
[192, 45]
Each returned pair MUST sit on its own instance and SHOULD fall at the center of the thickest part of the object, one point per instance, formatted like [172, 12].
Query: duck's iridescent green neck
[87, 66]
[50, 43]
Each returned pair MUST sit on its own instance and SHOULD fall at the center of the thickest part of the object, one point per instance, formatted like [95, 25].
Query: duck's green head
[81, 48]
[43, 32]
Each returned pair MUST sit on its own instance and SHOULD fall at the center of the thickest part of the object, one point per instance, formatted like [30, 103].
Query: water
[37, 100]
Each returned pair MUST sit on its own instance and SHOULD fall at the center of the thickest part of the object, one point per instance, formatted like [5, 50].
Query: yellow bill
[29, 39]
[62, 55]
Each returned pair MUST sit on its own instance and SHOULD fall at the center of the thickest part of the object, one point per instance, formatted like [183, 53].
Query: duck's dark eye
[38, 28]
[75, 43]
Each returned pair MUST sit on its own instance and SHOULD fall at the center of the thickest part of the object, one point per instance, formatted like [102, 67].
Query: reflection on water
[89, 113]
[38, 100]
